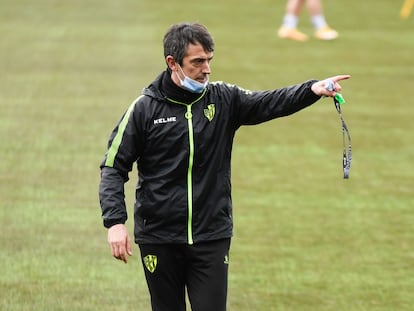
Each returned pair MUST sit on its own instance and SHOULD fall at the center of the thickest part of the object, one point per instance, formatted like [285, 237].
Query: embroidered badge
[150, 262]
[210, 111]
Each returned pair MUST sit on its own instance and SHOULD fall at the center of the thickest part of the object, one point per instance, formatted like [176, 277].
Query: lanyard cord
[347, 157]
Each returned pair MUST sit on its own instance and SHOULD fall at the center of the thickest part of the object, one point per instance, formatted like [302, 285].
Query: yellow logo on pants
[150, 262]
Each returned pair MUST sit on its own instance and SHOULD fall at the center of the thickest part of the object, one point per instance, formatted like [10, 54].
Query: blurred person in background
[180, 132]
[289, 29]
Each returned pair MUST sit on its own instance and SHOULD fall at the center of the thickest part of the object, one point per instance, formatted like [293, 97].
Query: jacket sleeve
[112, 197]
[123, 150]
[260, 106]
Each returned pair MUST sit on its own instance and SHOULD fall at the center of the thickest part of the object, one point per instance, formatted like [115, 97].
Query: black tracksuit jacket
[183, 154]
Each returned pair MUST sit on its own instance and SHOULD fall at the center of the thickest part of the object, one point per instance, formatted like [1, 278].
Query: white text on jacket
[165, 120]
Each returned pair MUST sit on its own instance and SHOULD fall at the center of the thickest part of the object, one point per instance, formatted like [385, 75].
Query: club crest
[210, 111]
[150, 262]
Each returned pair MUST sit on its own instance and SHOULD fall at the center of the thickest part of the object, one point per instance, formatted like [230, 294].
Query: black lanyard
[347, 156]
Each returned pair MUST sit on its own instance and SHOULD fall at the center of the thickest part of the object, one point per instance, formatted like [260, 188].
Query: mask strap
[178, 76]
[347, 156]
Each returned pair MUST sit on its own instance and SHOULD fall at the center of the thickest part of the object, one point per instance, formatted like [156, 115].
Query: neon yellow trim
[116, 142]
[189, 117]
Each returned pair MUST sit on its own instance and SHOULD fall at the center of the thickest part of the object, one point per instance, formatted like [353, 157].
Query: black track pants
[202, 268]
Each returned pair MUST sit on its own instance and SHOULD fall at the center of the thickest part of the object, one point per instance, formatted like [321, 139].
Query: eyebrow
[197, 59]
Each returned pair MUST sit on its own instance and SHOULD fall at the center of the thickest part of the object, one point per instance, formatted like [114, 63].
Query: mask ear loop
[347, 157]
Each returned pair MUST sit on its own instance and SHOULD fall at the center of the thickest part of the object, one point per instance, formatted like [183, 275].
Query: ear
[171, 62]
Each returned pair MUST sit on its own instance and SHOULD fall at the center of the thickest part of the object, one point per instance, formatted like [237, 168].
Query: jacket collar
[163, 87]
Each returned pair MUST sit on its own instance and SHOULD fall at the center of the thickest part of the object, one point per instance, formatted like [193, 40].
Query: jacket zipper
[189, 117]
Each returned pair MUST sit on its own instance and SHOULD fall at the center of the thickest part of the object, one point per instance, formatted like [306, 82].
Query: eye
[198, 62]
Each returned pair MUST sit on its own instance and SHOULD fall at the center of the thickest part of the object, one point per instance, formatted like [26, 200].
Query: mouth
[202, 79]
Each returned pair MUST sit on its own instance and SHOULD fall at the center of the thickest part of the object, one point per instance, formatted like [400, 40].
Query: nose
[206, 67]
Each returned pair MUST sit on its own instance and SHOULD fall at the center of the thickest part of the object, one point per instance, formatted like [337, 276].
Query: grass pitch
[305, 239]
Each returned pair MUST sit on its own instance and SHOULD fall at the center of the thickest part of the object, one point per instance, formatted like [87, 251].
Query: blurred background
[305, 238]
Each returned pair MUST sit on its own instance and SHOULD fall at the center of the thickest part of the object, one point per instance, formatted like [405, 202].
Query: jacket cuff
[108, 223]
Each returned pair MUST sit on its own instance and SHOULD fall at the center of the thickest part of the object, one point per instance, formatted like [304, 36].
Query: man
[180, 132]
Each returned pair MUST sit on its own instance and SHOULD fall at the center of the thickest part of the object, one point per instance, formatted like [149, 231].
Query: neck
[173, 91]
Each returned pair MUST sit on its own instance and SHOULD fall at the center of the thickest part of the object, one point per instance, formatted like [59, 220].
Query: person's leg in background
[322, 30]
[289, 29]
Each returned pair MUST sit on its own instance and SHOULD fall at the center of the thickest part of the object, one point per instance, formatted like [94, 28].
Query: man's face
[196, 64]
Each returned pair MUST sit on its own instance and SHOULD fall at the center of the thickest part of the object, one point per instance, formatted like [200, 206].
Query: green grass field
[305, 239]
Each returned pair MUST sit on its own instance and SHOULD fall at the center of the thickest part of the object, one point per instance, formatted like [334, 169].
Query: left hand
[320, 87]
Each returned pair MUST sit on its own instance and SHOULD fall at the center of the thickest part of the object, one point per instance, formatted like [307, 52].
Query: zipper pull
[188, 114]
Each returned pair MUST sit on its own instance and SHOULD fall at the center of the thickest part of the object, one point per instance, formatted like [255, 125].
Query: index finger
[340, 77]
[121, 252]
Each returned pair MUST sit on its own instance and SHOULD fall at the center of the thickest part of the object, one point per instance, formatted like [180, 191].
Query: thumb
[128, 246]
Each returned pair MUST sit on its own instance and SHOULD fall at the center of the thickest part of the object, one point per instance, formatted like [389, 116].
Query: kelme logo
[210, 111]
[150, 262]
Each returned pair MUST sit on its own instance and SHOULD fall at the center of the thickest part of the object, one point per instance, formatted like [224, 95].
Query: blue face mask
[190, 84]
